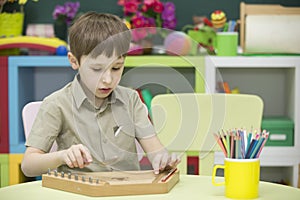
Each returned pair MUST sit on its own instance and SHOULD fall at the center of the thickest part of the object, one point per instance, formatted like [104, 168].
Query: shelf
[196, 63]
[276, 79]
[164, 61]
[21, 91]
[273, 85]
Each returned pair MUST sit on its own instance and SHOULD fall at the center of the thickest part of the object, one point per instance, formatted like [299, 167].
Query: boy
[93, 120]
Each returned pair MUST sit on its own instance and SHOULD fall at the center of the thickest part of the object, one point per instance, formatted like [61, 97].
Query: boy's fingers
[156, 163]
[164, 161]
[173, 160]
[78, 156]
[178, 160]
[87, 158]
[69, 162]
[72, 158]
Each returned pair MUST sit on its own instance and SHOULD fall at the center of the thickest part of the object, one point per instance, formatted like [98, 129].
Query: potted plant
[63, 16]
[12, 17]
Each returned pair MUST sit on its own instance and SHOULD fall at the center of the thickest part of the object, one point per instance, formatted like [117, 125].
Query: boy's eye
[116, 68]
[96, 69]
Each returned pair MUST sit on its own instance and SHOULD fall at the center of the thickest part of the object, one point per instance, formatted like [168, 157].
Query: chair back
[29, 113]
[185, 123]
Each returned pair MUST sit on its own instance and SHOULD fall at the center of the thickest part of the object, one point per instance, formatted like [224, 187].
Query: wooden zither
[117, 183]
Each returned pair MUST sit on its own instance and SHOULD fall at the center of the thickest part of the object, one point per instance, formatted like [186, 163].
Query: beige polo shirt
[68, 117]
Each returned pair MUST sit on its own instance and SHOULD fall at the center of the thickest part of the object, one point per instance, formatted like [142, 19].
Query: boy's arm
[37, 162]
[158, 154]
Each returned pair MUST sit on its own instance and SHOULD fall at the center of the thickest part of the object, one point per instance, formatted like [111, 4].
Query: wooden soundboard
[118, 183]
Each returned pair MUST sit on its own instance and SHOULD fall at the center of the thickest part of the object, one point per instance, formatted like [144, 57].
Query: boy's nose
[106, 78]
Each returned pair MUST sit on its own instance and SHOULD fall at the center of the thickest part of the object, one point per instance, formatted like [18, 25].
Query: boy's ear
[73, 61]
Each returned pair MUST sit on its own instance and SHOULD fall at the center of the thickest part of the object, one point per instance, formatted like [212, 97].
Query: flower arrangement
[12, 6]
[66, 12]
[147, 14]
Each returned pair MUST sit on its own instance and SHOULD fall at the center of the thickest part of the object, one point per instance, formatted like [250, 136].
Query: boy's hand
[164, 160]
[77, 156]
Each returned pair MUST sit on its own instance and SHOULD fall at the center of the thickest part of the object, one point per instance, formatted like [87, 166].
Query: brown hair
[96, 33]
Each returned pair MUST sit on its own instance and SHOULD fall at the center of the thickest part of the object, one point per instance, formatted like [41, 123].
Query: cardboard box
[266, 29]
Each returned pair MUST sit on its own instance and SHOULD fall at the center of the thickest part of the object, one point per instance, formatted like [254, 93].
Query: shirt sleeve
[46, 127]
[143, 125]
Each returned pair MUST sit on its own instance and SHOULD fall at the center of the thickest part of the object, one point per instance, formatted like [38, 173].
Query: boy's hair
[98, 33]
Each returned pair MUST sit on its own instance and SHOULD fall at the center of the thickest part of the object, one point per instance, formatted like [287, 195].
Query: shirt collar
[78, 92]
[116, 95]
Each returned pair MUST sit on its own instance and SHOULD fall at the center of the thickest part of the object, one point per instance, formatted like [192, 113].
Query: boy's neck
[97, 102]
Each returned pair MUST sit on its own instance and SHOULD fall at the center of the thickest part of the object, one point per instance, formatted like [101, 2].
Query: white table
[189, 187]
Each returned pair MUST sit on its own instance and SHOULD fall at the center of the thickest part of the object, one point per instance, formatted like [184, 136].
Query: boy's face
[101, 75]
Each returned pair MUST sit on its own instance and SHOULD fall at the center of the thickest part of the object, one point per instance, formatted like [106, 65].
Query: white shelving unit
[277, 80]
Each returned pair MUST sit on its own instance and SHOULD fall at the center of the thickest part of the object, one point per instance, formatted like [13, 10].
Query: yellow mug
[241, 178]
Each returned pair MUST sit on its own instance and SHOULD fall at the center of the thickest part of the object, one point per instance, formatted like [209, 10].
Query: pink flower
[137, 21]
[148, 13]
[158, 7]
[130, 7]
[149, 2]
[145, 7]
[122, 2]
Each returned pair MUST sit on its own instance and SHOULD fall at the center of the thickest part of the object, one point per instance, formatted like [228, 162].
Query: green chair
[185, 123]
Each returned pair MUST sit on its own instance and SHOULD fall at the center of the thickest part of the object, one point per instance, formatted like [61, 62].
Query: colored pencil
[263, 144]
[220, 144]
[245, 141]
[258, 141]
[249, 140]
[228, 144]
[242, 144]
[257, 148]
[238, 147]
[250, 149]
[223, 140]
[231, 145]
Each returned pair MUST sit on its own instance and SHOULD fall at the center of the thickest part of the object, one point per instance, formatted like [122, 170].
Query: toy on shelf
[49, 45]
[223, 87]
[218, 19]
[203, 33]
[178, 43]
[61, 50]
[200, 22]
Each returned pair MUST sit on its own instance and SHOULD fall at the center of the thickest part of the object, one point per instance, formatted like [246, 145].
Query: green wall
[41, 12]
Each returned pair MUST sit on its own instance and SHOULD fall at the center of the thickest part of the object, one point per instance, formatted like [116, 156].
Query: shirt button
[104, 140]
